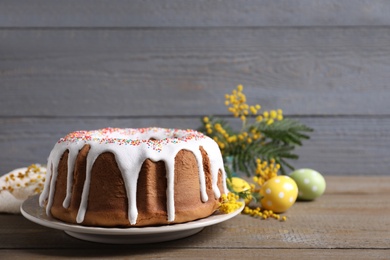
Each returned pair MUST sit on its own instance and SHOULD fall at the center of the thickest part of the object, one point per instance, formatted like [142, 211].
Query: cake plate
[31, 210]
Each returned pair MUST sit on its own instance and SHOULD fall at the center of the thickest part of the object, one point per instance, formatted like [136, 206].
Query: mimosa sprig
[266, 135]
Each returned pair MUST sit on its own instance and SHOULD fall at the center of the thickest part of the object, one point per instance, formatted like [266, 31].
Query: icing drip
[131, 148]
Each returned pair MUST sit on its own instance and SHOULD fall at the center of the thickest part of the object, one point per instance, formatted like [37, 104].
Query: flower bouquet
[260, 148]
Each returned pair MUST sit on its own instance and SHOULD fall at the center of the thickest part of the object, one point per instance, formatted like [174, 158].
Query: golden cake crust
[107, 204]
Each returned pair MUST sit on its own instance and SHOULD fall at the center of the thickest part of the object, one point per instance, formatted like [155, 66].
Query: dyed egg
[279, 194]
[311, 184]
[240, 185]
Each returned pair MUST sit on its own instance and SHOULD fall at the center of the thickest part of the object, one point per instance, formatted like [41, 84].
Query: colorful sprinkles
[134, 137]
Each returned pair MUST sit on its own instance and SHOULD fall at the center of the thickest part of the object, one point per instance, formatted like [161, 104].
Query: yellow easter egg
[240, 185]
[279, 194]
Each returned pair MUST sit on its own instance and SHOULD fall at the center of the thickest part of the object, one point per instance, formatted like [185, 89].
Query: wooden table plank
[176, 72]
[206, 13]
[350, 219]
[217, 253]
[361, 142]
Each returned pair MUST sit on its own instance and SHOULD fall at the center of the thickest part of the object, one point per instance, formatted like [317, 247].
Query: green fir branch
[287, 131]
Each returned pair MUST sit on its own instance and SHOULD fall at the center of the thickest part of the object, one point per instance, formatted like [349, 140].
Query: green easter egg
[311, 184]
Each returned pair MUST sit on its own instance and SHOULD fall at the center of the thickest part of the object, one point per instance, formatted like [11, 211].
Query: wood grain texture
[173, 72]
[196, 254]
[205, 13]
[338, 146]
[92, 64]
[349, 221]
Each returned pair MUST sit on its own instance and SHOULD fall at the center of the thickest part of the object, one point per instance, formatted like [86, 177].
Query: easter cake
[115, 177]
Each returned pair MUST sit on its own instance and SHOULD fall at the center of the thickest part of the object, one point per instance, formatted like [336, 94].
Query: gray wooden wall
[71, 65]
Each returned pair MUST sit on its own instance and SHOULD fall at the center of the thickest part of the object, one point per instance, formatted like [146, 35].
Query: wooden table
[350, 221]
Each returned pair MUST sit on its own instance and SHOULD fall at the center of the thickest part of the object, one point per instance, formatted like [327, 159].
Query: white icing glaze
[131, 148]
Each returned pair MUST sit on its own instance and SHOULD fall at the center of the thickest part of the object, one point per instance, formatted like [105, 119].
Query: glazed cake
[116, 177]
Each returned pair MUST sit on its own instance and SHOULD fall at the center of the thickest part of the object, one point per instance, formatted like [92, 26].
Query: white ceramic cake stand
[134, 235]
